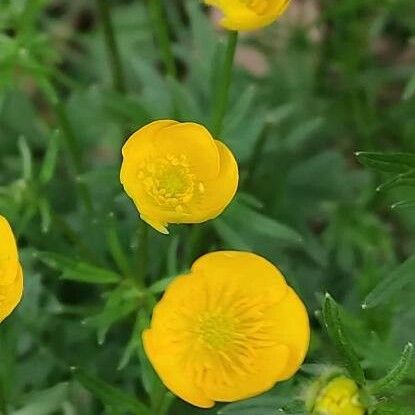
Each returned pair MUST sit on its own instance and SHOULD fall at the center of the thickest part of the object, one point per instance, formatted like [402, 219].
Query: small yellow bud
[339, 397]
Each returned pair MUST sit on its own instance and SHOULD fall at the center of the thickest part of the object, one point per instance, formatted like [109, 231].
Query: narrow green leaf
[230, 236]
[45, 402]
[336, 332]
[409, 91]
[116, 249]
[391, 284]
[109, 395]
[121, 302]
[403, 204]
[48, 167]
[387, 162]
[75, 270]
[26, 158]
[396, 375]
[160, 285]
[404, 179]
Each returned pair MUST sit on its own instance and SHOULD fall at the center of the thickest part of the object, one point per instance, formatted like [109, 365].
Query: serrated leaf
[396, 375]
[336, 332]
[109, 395]
[391, 284]
[75, 270]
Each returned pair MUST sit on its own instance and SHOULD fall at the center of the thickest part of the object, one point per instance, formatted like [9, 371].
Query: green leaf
[26, 158]
[230, 235]
[409, 91]
[109, 395]
[336, 332]
[391, 284]
[45, 402]
[391, 408]
[403, 204]
[75, 270]
[121, 302]
[160, 285]
[387, 162]
[396, 375]
[48, 167]
[404, 179]
[262, 405]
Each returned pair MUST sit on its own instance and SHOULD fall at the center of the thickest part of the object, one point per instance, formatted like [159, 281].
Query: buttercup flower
[11, 275]
[339, 397]
[177, 173]
[228, 330]
[245, 15]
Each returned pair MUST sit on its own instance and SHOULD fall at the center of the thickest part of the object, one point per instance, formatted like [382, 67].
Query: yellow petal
[214, 195]
[8, 253]
[250, 272]
[135, 145]
[11, 294]
[293, 330]
[247, 15]
[193, 141]
[228, 330]
[165, 364]
[136, 149]
[269, 364]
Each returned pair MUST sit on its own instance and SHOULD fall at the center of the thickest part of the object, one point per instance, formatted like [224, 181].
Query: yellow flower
[228, 330]
[177, 173]
[339, 397]
[245, 15]
[11, 276]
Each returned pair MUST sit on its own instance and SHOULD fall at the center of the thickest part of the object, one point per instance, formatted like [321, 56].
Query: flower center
[259, 7]
[168, 181]
[216, 330]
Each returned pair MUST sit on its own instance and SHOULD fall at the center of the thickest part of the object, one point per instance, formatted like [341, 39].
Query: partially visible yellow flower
[177, 173]
[245, 15]
[339, 397]
[228, 330]
[11, 276]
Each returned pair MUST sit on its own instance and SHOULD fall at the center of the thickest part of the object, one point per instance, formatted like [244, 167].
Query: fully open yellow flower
[245, 15]
[339, 397]
[228, 330]
[177, 173]
[11, 276]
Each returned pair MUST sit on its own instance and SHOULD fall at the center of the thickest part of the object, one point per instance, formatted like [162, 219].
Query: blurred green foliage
[330, 79]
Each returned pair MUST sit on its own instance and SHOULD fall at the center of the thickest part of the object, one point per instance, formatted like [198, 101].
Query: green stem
[112, 46]
[70, 139]
[221, 97]
[142, 252]
[162, 32]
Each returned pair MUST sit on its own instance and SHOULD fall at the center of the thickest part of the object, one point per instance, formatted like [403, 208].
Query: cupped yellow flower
[177, 173]
[246, 15]
[229, 329]
[11, 275]
[339, 397]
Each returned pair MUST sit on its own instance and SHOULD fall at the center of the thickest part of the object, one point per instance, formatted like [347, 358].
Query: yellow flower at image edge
[246, 15]
[339, 397]
[11, 275]
[177, 173]
[228, 330]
